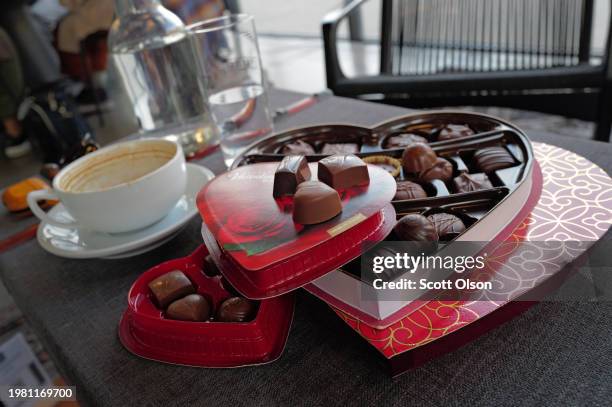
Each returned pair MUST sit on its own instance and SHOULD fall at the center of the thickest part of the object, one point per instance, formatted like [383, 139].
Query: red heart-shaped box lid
[264, 253]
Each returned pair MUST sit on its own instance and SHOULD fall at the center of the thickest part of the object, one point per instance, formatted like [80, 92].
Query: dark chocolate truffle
[210, 267]
[454, 131]
[447, 224]
[340, 148]
[442, 170]
[193, 307]
[415, 227]
[472, 182]
[409, 190]
[171, 286]
[291, 171]
[315, 202]
[343, 171]
[418, 157]
[490, 159]
[298, 147]
[404, 140]
[236, 309]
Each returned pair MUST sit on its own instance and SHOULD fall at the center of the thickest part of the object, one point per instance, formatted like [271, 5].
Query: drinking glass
[228, 55]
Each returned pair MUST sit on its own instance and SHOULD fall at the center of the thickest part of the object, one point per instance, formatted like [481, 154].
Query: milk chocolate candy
[454, 131]
[418, 157]
[409, 190]
[340, 148]
[171, 286]
[291, 171]
[490, 159]
[192, 307]
[472, 182]
[343, 171]
[236, 309]
[404, 140]
[446, 224]
[298, 147]
[314, 202]
[442, 170]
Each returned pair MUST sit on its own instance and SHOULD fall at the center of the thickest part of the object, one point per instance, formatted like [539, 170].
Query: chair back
[430, 36]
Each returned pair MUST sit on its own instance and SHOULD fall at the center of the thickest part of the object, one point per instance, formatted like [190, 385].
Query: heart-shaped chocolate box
[489, 214]
[146, 331]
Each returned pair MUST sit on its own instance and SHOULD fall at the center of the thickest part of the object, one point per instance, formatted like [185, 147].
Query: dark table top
[555, 353]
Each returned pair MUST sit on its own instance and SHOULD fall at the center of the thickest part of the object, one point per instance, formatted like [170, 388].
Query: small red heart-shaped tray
[259, 248]
[145, 331]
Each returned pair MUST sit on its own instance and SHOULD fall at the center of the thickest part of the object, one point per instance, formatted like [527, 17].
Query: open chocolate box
[488, 211]
[147, 331]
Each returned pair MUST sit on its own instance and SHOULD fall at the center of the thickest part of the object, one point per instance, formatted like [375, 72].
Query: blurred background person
[12, 90]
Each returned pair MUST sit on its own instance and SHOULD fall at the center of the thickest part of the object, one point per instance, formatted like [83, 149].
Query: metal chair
[527, 54]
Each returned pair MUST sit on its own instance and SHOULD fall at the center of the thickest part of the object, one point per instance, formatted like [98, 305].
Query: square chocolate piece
[171, 286]
[340, 148]
[343, 171]
[291, 171]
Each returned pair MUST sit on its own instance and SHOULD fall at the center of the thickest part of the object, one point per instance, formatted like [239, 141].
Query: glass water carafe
[152, 53]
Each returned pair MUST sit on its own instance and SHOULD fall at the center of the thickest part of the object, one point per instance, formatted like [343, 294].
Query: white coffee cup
[119, 188]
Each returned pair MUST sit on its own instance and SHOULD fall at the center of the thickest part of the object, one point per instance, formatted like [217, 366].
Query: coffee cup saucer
[80, 243]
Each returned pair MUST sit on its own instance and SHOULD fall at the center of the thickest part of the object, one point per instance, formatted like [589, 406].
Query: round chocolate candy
[315, 202]
[298, 147]
[442, 170]
[409, 190]
[490, 159]
[404, 140]
[192, 307]
[418, 157]
[471, 182]
[446, 224]
[418, 229]
[236, 309]
[454, 131]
